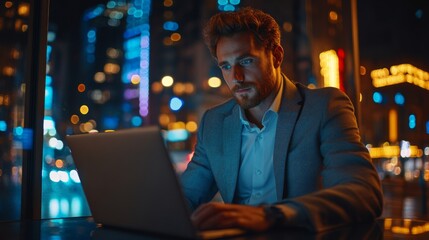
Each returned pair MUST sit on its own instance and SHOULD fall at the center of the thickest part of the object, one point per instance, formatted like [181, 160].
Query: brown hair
[263, 26]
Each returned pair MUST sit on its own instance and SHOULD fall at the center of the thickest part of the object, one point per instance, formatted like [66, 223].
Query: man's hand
[220, 215]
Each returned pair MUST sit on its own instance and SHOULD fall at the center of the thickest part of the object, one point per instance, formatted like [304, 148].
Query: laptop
[130, 183]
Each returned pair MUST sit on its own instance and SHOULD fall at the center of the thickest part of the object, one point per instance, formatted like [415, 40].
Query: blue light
[126, 107]
[131, 10]
[90, 48]
[48, 80]
[48, 52]
[234, 2]
[419, 13]
[132, 55]
[48, 98]
[24, 136]
[171, 26]
[137, 54]
[136, 121]
[3, 126]
[176, 103]
[399, 99]
[427, 127]
[377, 97]
[110, 122]
[177, 135]
[91, 40]
[19, 131]
[138, 13]
[226, 8]
[229, 8]
[92, 36]
[111, 4]
[222, 2]
[132, 44]
[412, 121]
[97, 11]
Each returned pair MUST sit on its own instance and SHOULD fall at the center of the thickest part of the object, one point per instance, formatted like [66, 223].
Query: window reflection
[97, 80]
[13, 137]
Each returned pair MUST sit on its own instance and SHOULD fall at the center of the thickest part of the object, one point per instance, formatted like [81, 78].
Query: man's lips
[242, 88]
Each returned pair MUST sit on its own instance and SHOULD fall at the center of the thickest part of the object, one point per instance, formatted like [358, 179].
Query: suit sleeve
[197, 180]
[351, 190]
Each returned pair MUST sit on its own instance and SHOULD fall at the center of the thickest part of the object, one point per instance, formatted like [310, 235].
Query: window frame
[34, 109]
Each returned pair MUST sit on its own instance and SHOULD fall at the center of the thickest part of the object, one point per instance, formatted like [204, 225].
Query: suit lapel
[232, 151]
[288, 114]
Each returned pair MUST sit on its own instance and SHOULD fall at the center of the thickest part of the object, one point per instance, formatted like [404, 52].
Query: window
[14, 138]
[97, 80]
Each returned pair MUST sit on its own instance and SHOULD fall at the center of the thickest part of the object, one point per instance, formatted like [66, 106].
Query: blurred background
[115, 64]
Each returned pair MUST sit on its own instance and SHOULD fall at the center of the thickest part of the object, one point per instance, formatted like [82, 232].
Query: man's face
[248, 69]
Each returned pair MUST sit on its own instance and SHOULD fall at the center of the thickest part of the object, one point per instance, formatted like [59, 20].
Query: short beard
[247, 103]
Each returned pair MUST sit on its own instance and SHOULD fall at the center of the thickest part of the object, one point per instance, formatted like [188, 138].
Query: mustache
[240, 86]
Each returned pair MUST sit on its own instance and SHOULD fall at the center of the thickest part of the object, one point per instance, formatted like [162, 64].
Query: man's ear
[278, 54]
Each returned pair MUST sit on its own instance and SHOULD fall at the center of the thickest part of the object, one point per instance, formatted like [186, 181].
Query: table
[85, 228]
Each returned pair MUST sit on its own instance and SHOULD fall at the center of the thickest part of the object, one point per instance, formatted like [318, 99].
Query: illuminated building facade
[394, 79]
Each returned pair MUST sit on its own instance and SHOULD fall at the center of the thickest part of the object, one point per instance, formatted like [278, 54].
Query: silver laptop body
[130, 183]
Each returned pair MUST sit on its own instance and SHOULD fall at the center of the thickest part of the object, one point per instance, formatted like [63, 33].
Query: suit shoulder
[320, 93]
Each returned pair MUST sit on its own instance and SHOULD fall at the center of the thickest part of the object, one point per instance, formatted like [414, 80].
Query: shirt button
[259, 137]
[258, 172]
[258, 195]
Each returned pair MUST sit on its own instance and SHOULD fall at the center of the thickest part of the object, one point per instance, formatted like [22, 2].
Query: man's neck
[255, 114]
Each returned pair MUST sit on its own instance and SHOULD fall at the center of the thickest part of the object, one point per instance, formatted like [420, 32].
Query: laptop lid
[130, 182]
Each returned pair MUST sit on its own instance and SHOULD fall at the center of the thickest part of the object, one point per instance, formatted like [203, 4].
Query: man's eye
[246, 61]
[225, 67]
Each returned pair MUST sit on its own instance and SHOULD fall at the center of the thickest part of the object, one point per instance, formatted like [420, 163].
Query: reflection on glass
[97, 80]
[13, 136]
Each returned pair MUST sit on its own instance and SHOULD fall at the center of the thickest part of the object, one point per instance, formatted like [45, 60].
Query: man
[279, 153]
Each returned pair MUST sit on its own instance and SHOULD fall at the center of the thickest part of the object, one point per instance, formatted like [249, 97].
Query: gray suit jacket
[321, 167]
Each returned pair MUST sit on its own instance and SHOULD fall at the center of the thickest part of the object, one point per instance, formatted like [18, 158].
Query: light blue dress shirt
[256, 183]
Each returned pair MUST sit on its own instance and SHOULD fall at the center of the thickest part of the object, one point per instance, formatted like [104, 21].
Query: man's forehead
[234, 47]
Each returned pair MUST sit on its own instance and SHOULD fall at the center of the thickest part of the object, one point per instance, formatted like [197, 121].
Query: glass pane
[97, 80]
[14, 18]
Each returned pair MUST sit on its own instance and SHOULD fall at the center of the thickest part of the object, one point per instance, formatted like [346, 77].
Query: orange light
[168, 3]
[81, 87]
[74, 119]
[175, 37]
[157, 87]
[59, 163]
[333, 16]
[8, 4]
[24, 9]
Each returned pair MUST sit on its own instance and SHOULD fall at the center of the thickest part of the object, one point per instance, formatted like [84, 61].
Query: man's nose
[238, 74]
